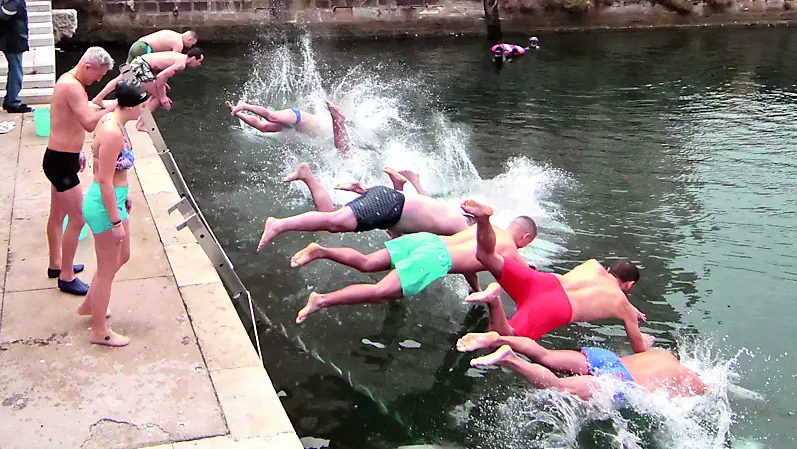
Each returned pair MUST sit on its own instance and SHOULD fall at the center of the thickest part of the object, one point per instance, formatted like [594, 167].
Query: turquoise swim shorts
[420, 259]
[94, 209]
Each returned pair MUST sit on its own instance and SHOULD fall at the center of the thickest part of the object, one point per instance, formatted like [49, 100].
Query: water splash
[549, 419]
[391, 122]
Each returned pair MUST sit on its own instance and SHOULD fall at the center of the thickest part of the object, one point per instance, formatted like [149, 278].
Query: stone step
[37, 60]
[39, 95]
[38, 6]
[35, 81]
[40, 28]
[40, 40]
[40, 17]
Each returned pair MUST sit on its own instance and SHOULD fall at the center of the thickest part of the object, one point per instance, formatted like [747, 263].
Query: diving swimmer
[546, 301]
[418, 260]
[655, 369]
[267, 121]
[379, 207]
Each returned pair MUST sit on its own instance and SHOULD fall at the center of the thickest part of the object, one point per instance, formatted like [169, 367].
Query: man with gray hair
[71, 117]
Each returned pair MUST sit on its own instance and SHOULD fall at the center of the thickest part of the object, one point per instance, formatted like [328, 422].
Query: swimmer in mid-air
[546, 301]
[417, 260]
[267, 121]
[506, 52]
[379, 207]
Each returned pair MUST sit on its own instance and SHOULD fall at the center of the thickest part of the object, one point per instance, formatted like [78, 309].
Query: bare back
[164, 40]
[594, 293]
[657, 369]
[422, 213]
[462, 247]
[165, 59]
[66, 132]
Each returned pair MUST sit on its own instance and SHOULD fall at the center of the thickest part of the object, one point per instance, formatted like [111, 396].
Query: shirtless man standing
[379, 207]
[546, 301]
[163, 40]
[70, 118]
[153, 70]
[419, 259]
[267, 121]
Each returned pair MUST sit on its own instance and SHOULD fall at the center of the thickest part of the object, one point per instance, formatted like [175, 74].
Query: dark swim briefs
[379, 208]
[61, 168]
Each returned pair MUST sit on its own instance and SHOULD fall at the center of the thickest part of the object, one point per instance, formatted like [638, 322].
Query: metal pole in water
[492, 19]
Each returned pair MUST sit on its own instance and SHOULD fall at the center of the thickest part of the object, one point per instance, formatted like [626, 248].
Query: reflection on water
[670, 148]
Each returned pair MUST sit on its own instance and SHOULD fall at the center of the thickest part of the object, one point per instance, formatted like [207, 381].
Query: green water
[672, 148]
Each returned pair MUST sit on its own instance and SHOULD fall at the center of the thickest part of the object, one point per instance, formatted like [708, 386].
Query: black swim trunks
[379, 208]
[61, 168]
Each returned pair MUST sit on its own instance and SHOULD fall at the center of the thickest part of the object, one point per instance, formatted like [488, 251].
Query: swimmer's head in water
[130, 93]
[626, 273]
[523, 230]
[534, 42]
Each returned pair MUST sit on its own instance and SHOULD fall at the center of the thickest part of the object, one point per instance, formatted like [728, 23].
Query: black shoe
[18, 109]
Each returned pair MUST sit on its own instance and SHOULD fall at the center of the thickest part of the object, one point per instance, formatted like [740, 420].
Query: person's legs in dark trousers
[14, 83]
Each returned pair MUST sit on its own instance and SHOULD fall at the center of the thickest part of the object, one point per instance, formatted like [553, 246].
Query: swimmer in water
[506, 52]
[267, 121]
[379, 207]
[652, 370]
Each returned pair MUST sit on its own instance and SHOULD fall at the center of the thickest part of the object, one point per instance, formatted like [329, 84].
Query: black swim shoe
[18, 109]
[75, 287]
[52, 274]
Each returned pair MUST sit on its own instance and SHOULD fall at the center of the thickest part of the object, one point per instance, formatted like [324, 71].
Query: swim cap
[533, 39]
[130, 93]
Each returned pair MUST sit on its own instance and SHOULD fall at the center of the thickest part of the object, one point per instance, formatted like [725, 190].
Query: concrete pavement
[190, 377]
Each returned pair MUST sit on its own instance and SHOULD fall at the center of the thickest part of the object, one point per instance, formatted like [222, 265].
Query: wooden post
[492, 19]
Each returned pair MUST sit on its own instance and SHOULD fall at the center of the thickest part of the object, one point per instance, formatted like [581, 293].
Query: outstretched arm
[105, 91]
[80, 108]
[639, 341]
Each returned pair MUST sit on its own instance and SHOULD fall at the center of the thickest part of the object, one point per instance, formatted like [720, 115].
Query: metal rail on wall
[195, 221]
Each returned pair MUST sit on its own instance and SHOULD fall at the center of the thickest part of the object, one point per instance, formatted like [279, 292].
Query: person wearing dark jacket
[14, 42]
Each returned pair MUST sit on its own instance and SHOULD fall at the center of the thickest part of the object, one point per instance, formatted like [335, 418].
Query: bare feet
[234, 109]
[476, 209]
[499, 357]
[397, 179]
[414, 179]
[110, 338]
[353, 186]
[85, 310]
[314, 304]
[334, 111]
[307, 255]
[474, 341]
[490, 294]
[301, 173]
[269, 232]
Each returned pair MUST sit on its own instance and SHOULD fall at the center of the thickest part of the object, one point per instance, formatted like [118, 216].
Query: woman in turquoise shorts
[106, 206]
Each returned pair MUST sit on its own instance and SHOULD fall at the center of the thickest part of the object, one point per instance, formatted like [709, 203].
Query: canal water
[672, 148]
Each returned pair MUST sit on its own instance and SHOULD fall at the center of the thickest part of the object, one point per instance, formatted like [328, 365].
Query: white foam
[554, 420]
[392, 122]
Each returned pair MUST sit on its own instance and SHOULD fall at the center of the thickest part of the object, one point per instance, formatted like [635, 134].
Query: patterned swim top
[126, 157]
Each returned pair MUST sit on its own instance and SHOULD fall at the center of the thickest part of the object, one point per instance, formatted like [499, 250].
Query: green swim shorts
[94, 208]
[420, 259]
[138, 48]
